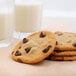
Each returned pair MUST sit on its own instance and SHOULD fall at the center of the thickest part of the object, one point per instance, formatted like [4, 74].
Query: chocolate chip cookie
[63, 58]
[34, 48]
[64, 53]
[65, 41]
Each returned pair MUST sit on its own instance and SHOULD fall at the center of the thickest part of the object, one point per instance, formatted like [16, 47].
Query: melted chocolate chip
[18, 53]
[42, 34]
[47, 49]
[57, 51]
[12, 52]
[27, 49]
[56, 42]
[20, 47]
[19, 60]
[25, 40]
[74, 44]
[60, 34]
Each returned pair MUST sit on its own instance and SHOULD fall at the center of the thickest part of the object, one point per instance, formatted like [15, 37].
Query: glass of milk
[28, 14]
[6, 22]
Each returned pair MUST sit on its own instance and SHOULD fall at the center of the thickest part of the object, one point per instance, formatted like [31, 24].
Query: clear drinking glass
[6, 22]
[28, 14]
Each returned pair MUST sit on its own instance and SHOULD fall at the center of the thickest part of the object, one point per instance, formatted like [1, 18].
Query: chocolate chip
[19, 60]
[74, 44]
[47, 49]
[20, 47]
[56, 42]
[18, 53]
[12, 52]
[60, 34]
[42, 34]
[57, 51]
[27, 49]
[25, 40]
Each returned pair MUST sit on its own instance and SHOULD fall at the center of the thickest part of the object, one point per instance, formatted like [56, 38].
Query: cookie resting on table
[35, 48]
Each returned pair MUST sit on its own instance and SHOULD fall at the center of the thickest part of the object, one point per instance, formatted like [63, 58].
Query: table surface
[8, 67]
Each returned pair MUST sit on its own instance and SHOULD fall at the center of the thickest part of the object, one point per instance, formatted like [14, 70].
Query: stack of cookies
[65, 48]
[45, 44]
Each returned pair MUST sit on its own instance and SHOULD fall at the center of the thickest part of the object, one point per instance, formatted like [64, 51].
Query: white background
[61, 5]
[59, 15]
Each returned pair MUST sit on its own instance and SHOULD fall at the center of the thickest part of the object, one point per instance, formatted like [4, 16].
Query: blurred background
[60, 14]
[60, 5]
[27, 16]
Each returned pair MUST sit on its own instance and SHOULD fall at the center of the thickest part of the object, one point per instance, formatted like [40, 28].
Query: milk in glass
[27, 16]
[6, 22]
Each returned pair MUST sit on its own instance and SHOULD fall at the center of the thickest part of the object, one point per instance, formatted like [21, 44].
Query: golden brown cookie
[64, 53]
[65, 41]
[63, 58]
[35, 47]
